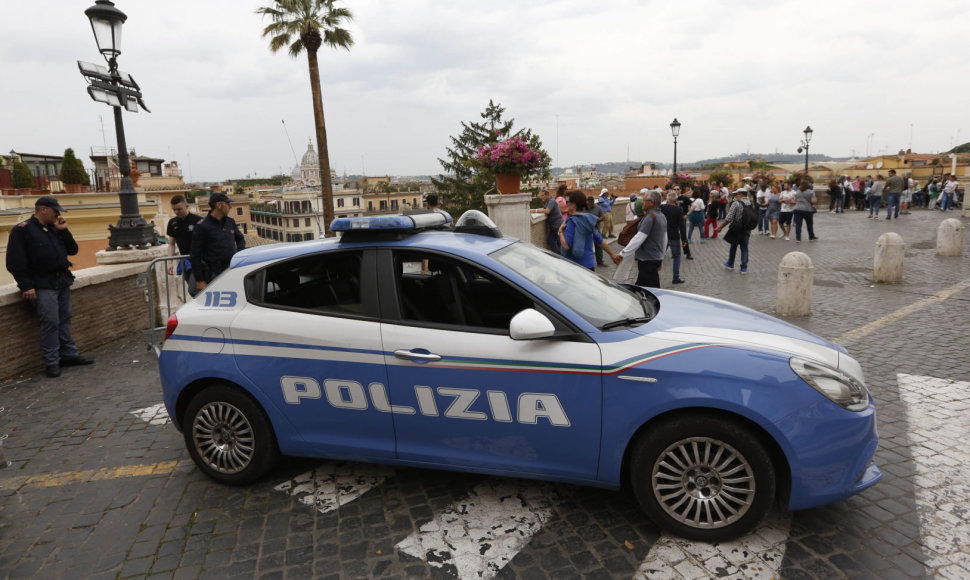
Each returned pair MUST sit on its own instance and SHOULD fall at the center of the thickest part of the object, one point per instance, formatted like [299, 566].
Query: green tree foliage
[22, 177]
[464, 184]
[965, 148]
[305, 25]
[721, 175]
[72, 170]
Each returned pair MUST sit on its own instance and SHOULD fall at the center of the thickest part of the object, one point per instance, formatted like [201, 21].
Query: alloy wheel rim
[223, 437]
[703, 483]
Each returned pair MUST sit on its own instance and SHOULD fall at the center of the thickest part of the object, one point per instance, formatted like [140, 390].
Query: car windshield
[600, 301]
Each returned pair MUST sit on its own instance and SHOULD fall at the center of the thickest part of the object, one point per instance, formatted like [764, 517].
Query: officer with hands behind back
[214, 241]
[37, 254]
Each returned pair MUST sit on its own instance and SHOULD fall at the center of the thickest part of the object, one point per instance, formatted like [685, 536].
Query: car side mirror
[530, 324]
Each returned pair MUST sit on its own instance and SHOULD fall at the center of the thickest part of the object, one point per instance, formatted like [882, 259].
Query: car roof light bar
[393, 223]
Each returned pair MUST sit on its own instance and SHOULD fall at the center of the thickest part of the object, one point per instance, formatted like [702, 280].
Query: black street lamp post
[808, 137]
[675, 129]
[117, 89]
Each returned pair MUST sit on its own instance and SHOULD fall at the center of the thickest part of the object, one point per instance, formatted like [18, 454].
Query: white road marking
[756, 555]
[937, 410]
[154, 415]
[479, 535]
[334, 484]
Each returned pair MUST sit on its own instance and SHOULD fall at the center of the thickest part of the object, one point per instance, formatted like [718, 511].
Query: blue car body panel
[520, 408]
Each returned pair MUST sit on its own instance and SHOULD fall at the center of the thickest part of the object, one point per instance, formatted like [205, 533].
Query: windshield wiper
[626, 322]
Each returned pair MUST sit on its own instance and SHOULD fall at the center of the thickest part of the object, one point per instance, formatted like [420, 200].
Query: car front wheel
[228, 435]
[702, 478]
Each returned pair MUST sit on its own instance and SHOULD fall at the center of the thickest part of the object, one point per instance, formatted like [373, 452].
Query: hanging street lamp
[117, 89]
[808, 137]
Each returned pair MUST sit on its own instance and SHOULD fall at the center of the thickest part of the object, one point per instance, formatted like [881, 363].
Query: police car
[408, 343]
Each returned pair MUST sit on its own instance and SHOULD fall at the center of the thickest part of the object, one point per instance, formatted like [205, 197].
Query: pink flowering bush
[513, 155]
[681, 179]
[763, 176]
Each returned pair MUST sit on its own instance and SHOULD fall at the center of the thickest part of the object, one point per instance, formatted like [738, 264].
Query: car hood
[688, 318]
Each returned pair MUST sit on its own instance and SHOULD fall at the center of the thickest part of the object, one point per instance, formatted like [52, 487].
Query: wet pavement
[100, 485]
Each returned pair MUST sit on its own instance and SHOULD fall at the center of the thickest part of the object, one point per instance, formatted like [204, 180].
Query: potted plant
[511, 160]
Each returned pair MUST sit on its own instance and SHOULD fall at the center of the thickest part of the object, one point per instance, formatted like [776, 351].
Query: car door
[464, 393]
[310, 339]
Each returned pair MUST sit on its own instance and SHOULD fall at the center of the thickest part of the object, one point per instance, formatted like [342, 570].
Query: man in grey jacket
[894, 191]
[649, 245]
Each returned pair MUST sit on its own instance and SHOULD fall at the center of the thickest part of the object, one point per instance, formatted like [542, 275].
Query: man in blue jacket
[214, 241]
[37, 254]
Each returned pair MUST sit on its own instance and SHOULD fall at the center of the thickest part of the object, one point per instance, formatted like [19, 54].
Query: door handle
[416, 356]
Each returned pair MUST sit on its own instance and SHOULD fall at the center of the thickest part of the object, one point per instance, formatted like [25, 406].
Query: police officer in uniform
[214, 241]
[37, 254]
[180, 229]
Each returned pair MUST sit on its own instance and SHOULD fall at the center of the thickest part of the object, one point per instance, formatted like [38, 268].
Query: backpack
[749, 217]
[630, 230]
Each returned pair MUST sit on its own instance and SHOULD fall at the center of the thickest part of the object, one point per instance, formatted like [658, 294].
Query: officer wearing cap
[37, 254]
[214, 241]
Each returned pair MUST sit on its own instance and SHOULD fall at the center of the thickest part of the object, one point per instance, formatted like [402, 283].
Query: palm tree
[306, 25]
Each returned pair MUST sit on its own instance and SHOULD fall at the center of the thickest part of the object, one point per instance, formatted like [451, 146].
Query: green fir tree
[22, 177]
[72, 170]
[463, 185]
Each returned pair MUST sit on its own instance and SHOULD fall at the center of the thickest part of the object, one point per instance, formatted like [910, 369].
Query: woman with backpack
[579, 235]
[741, 219]
[805, 210]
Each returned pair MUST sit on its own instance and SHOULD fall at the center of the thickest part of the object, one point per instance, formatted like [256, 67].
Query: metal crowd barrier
[166, 294]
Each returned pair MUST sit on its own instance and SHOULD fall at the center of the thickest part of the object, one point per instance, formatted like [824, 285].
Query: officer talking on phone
[37, 254]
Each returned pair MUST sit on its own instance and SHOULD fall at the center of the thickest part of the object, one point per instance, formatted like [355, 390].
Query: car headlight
[836, 385]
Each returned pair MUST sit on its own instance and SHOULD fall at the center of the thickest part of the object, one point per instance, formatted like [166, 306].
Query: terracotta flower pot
[508, 182]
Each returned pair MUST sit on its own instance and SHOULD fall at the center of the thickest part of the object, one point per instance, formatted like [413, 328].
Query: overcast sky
[598, 81]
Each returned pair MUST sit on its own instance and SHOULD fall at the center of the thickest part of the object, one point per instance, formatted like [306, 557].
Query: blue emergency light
[391, 223]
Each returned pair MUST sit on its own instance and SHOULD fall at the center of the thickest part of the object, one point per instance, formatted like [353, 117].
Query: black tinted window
[325, 282]
[435, 289]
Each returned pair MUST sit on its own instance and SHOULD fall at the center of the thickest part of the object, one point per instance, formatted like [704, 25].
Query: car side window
[328, 283]
[436, 289]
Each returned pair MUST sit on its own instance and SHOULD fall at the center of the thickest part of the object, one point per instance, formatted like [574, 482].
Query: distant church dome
[307, 172]
[310, 158]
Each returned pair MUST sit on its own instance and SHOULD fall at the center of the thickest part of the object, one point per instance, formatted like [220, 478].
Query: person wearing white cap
[606, 204]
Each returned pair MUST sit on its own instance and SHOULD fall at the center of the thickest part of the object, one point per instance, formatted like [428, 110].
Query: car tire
[228, 435]
[679, 471]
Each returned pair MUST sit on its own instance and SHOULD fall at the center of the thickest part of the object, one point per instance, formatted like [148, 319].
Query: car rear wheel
[702, 478]
[228, 435]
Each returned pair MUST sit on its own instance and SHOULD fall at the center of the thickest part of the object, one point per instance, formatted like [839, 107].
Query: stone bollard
[888, 263]
[949, 238]
[795, 285]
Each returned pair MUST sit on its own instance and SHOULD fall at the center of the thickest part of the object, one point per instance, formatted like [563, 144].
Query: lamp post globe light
[117, 89]
[808, 138]
[675, 129]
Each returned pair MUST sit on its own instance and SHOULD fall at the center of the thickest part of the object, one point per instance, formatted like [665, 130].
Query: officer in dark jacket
[37, 254]
[214, 241]
[180, 229]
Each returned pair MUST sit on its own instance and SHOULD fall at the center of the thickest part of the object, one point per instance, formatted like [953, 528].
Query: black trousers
[648, 273]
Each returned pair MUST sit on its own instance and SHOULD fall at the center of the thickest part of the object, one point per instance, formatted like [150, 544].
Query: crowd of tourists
[579, 226]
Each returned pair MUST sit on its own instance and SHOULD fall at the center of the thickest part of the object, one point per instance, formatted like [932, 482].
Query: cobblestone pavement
[100, 484]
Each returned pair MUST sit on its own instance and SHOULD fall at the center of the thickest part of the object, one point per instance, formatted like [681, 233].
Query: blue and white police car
[402, 342]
